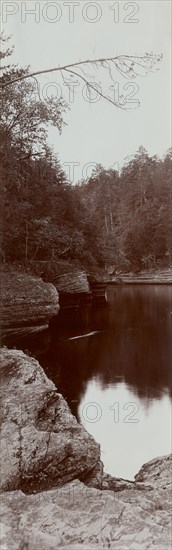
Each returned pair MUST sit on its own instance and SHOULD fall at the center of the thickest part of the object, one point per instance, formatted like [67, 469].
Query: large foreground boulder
[45, 457]
[27, 303]
[42, 444]
[81, 518]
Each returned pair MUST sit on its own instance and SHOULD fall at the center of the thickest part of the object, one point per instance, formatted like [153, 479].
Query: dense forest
[112, 221]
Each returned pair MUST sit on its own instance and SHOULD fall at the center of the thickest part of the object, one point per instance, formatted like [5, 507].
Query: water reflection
[133, 345]
[125, 365]
[129, 432]
[126, 361]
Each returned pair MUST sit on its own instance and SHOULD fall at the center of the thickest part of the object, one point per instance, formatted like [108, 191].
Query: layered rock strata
[27, 303]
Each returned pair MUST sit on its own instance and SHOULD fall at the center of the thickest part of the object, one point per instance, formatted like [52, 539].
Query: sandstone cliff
[74, 282]
[27, 303]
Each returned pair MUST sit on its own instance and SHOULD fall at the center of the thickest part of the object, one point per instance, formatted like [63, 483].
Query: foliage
[131, 212]
[111, 221]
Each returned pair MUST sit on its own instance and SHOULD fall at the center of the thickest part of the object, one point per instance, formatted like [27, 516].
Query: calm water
[117, 379]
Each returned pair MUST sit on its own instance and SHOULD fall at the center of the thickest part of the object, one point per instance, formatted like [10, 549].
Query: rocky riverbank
[43, 446]
[146, 276]
[27, 303]
[149, 276]
[54, 491]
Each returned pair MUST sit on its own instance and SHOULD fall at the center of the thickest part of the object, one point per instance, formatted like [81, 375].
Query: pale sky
[49, 33]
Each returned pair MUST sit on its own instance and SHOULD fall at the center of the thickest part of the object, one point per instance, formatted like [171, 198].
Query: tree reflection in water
[127, 361]
[133, 345]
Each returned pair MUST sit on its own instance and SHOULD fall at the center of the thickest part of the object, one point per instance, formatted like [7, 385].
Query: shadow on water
[131, 343]
[117, 355]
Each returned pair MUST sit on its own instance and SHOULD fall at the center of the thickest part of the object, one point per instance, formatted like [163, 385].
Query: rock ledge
[27, 303]
[46, 455]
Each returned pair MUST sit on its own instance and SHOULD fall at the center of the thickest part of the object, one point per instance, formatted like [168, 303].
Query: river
[112, 364]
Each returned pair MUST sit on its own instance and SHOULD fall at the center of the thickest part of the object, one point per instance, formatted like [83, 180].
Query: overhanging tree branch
[127, 65]
[90, 85]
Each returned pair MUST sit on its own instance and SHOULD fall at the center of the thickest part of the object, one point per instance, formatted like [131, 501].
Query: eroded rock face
[27, 302]
[79, 517]
[73, 282]
[42, 443]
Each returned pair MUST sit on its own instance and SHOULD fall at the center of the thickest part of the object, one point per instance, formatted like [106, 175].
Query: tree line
[112, 221]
